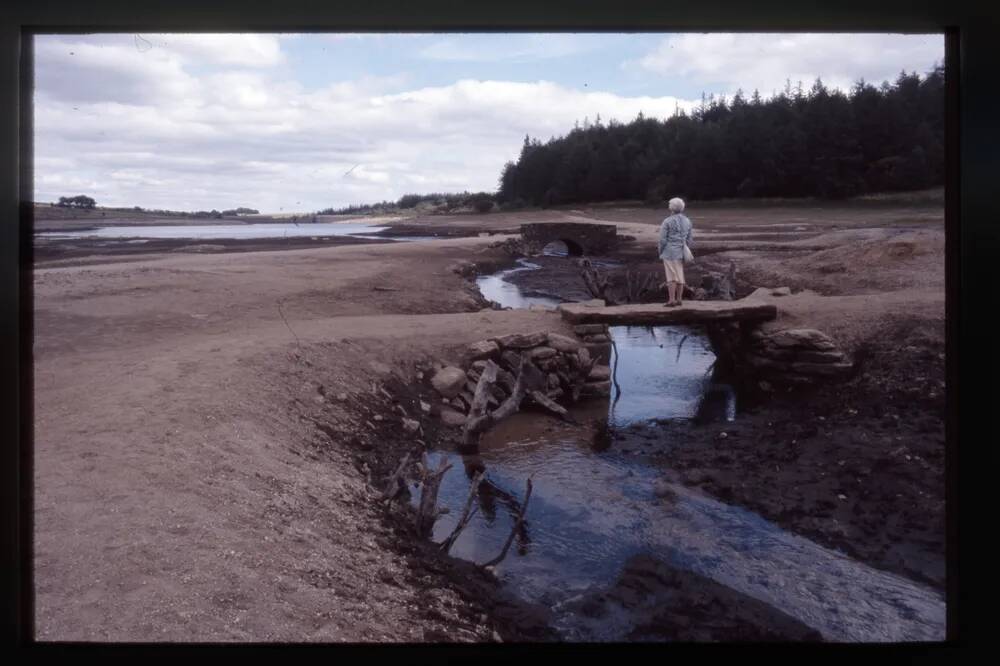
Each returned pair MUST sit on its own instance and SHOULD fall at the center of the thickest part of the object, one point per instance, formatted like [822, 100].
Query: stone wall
[564, 371]
[795, 356]
[588, 239]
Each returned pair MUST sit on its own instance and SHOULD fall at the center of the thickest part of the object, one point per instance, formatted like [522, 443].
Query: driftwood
[517, 525]
[467, 513]
[480, 419]
[395, 483]
[548, 403]
[597, 282]
[430, 483]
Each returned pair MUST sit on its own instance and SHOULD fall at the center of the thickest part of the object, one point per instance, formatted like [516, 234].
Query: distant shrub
[79, 201]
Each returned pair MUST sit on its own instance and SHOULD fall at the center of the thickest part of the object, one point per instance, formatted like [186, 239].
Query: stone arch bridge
[581, 238]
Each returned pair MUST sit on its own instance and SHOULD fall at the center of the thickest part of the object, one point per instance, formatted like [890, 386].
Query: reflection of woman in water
[675, 236]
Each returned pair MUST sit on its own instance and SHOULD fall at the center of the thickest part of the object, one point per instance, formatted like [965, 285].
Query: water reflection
[496, 288]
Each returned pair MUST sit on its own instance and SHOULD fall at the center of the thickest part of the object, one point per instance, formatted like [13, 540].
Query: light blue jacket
[675, 231]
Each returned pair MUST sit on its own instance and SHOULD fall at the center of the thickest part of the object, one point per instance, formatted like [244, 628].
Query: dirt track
[182, 488]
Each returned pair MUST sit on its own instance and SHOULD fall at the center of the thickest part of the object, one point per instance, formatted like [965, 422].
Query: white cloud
[725, 62]
[238, 49]
[151, 129]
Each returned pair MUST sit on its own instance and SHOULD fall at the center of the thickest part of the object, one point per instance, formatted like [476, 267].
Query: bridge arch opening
[562, 247]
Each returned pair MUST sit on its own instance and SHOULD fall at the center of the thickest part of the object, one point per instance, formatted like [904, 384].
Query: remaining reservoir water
[218, 231]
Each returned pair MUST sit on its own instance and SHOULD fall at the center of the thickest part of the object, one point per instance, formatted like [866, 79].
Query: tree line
[83, 201]
[481, 202]
[817, 143]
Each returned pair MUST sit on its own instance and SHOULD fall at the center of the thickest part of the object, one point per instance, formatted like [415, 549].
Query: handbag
[688, 256]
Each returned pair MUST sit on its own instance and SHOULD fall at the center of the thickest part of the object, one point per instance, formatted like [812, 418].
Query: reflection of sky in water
[220, 231]
[496, 288]
[590, 512]
[662, 372]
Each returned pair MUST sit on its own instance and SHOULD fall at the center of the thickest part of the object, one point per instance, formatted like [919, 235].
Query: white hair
[676, 205]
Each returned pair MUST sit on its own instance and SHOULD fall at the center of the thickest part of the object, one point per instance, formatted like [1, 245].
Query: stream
[592, 507]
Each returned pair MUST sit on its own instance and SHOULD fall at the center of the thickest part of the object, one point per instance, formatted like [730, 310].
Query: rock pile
[796, 356]
[563, 369]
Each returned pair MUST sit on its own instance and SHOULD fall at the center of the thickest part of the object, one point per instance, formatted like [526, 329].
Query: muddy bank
[857, 466]
[665, 603]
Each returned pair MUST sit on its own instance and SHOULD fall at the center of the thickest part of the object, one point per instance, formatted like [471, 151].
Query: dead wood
[596, 281]
[467, 513]
[480, 419]
[430, 483]
[395, 483]
[548, 403]
[517, 525]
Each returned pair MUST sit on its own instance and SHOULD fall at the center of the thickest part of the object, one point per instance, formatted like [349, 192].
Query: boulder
[589, 329]
[449, 381]
[599, 373]
[807, 338]
[521, 340]
[510, 360]
[482, 350]
[597, 339]
[539, 353]
[561, 343]
[595, 390]
[452, 418]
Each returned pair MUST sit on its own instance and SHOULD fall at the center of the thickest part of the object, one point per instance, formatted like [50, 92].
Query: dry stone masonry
[796, 356]
[581, 238]
[568, 369]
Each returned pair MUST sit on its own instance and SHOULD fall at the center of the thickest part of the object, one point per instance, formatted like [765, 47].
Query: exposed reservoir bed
[596, 510]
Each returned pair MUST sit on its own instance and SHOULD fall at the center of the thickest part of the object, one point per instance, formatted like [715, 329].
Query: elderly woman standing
[675, 234]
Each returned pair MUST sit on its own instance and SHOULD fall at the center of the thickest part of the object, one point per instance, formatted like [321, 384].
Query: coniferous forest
[799, 143]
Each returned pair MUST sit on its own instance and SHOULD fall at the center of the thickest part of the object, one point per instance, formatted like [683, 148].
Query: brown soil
[196, 475]
[198, 478]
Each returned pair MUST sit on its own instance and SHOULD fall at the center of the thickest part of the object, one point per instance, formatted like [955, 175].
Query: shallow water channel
[592, 508]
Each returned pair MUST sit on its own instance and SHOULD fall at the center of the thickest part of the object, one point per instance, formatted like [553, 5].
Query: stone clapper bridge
[586, 238]
[748, 310]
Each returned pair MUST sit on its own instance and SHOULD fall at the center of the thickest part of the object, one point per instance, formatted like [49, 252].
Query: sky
[299, 123]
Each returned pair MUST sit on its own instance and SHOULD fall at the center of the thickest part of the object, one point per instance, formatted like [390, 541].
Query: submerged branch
[517, 525]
